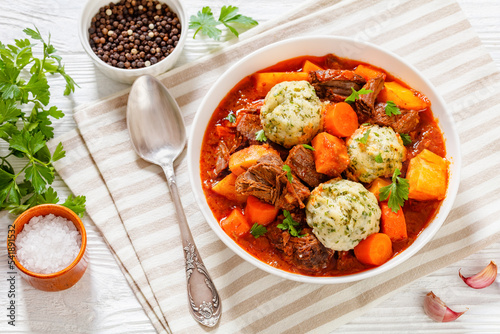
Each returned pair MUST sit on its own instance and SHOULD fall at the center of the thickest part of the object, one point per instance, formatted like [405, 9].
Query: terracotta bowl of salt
[48, 244]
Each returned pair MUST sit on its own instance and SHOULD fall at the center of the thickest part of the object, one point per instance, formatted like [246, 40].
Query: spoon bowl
[155, 122]
[158, 136]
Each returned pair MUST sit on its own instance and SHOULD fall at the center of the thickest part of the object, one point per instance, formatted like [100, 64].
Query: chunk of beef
[429, 138]
[301, 162]
[365, 103]
[333, 62]
[228, 144]
[248, 125]
[335, 85]
[306, 252]
[268, 181]
[406, 122]
[222, 158]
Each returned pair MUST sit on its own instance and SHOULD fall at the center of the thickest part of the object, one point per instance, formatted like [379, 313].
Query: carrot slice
[260, 212]
[375, 250]
[393, 223]
[235, 224]
[340, 119]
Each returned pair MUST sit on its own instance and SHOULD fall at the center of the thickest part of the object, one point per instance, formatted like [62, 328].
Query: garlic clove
[437, 310]
[482, 279]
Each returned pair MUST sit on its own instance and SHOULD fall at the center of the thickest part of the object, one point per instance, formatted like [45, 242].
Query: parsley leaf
[23, 80]
[290, 225]
[355, 94]
[258, 230]
[59, 152]
[309, 147]
[230, 117]
[397, 191]
[77, 204]
[379, 159]
[229, 15]
[363, 139]
[33, 34]
[205, 22]
[288, 171]
[260, 135]
[406, 138]
[39, 175]
[392, 109]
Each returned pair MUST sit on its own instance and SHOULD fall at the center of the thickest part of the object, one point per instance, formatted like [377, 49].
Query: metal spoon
[158, 135]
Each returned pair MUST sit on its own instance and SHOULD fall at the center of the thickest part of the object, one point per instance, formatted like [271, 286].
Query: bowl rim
[423, 238]
[83, 22]
[26, 217]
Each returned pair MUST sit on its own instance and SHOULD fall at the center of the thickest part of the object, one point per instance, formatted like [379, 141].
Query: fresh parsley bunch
[24, 84]
[205, 22]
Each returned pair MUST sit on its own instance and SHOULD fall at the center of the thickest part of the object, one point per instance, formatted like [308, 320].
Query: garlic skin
[437, 310]
[482, 279]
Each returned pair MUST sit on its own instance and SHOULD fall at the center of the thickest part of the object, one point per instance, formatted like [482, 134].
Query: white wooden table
[102, 302]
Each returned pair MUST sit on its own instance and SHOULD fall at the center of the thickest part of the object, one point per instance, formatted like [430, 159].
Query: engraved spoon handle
[203, 297]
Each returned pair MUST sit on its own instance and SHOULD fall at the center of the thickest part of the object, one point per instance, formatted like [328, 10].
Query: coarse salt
[47, 244]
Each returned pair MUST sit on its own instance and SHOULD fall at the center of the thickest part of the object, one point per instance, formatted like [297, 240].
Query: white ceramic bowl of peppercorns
[130, 38]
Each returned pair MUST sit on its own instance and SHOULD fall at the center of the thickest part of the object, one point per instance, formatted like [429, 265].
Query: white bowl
[129, 75]
[319, 46]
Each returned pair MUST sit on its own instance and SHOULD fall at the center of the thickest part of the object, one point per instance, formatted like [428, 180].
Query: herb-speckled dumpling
[291, 113]
[374, 151]
[342, 213]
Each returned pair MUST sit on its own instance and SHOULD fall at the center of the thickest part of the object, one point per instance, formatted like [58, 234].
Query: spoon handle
[201, 290]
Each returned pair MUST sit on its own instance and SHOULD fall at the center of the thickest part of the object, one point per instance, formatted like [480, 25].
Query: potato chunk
[402, 96]
[265, 81]
[241, 160]
[226, 187]
[427, 175]
[376, 185]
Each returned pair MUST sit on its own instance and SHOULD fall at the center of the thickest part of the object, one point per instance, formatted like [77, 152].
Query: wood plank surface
[103, 302]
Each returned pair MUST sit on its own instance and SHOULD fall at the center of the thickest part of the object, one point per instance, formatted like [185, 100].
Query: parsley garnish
[230, 117]
[355, 94]
[288, 171]
[23, 80]
[309, 147]
[379, 159]
[363, 139]
[392, 109]
[260, 135]
[290, 224]
[258, 230]
[397, 191]
[406, 138]
[205, 22]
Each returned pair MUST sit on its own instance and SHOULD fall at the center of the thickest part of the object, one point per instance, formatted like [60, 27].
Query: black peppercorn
[134, 33]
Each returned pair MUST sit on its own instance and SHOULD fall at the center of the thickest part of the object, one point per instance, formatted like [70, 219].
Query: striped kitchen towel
[128, 198]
